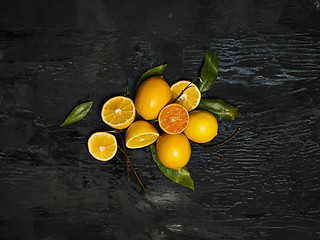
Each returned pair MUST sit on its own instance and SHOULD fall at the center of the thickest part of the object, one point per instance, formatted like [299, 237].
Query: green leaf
[77, 113]
[209, 72]
[219, 108]
[155, 71]
[180, 176]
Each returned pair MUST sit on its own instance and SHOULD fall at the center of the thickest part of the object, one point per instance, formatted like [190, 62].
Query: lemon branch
[129, 163]
[153, 121]
[220, 156]
[226, 140]
[116, 131]
[128, 173]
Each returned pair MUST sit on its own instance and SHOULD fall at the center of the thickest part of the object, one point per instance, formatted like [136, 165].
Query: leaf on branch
[77, 113]
[180, 176]
[219, 108]
[209, 71]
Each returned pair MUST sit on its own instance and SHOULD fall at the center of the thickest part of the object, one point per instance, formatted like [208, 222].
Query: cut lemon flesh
[191, 96]
[118, 112]
[102, 146]
[173, 118]
[140, 134]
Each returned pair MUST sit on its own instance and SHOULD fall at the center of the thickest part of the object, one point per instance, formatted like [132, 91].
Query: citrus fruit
[152, 95]
[173, 118]
[140, 134]
[118, 112]
[191, 96]
[102, 146]
[202, 127]
[173, 151]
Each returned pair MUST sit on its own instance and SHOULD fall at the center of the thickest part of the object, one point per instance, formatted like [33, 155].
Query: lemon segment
[140, 134]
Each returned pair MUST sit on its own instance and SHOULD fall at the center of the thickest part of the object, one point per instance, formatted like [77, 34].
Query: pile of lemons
[173, 108]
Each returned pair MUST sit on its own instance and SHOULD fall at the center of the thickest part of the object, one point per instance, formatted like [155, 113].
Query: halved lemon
[118, 112]
[173, 118]
[140, 134]
[191, 96]
[102, 146]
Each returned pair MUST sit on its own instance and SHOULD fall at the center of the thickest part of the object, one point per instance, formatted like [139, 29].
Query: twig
[153, 121]
[184, 90]
[128, 173]
[129, 164]
[127, 92]
[228, 139]
[116, 131]
[220, 156]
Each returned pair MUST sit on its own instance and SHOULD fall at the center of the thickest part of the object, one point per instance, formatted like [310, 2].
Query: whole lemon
[173, 151]
[202, 127]
[152, 95]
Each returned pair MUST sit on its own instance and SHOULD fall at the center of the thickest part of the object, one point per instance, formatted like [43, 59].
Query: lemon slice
[140, 134]
[102, 146]
[190, 98]
[118, 112]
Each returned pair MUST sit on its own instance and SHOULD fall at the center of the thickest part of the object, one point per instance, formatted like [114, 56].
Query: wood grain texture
[52, 57]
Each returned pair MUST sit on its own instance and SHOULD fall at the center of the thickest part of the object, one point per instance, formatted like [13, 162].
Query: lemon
[118, 112]
[140, 134]
[173, 150]
[102, 146]
[173, 118]
[191, 96]
[152, 95]
[202, 127]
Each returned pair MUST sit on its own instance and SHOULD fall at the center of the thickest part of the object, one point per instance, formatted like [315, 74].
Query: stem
[220, 156]
[129, 163]
[228, 139]
[135, 173]
[126, 92]
[184, 90]
[128, 173]
[116, 131]
[153, 121]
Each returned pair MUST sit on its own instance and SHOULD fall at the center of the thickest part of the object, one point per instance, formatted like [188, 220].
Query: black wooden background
[56, 54]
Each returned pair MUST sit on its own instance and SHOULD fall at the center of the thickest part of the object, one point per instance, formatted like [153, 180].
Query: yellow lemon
[152, 95]
[173, 150]
[102, 146]
[118, 112]
[202, 127]
[140, 134]
[191, 96]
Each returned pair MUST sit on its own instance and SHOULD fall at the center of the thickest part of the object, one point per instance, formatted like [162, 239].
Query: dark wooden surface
[54, 55]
